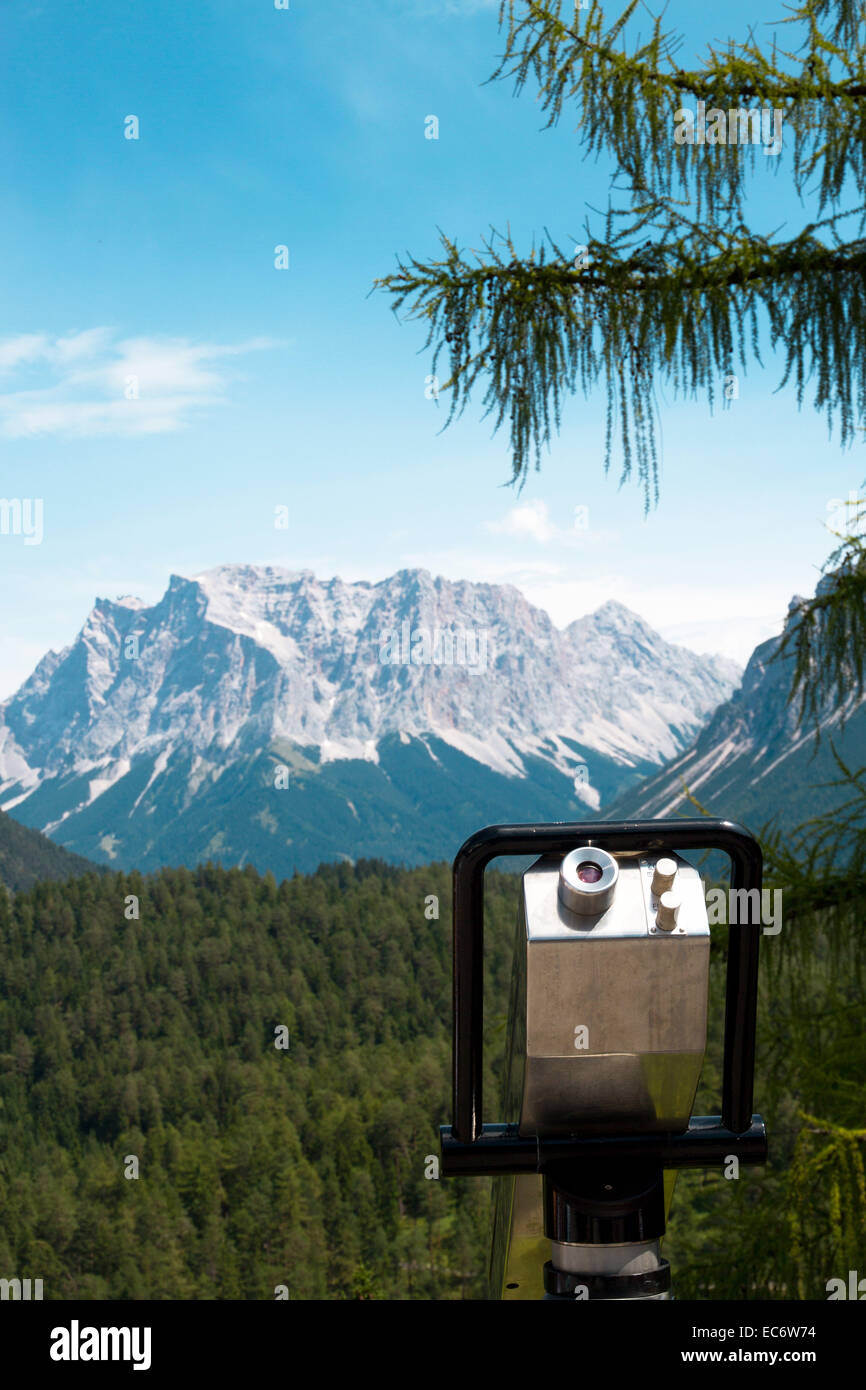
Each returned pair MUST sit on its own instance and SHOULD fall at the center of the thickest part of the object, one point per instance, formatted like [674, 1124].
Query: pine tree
[672, 287]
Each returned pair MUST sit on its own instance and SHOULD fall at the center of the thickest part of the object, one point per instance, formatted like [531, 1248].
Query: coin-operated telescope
[607, 1033]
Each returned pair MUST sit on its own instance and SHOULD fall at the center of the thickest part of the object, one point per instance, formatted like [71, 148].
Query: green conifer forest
[302, 1166]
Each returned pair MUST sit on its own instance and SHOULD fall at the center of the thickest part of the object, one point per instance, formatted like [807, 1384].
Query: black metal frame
[471, 1147]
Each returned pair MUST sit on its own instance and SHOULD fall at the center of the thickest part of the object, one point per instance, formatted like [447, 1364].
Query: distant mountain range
[752, 762]
[259, 715]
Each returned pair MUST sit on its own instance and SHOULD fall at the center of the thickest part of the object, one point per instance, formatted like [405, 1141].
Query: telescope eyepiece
[587, 880]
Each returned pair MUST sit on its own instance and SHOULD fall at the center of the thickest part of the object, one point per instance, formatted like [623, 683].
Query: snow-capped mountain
[255, 714]
[754, 762]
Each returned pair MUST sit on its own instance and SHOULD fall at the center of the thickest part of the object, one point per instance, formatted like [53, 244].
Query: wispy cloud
[101, 385]
[532, 520]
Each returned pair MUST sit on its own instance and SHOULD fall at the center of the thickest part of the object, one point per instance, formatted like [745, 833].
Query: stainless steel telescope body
[608, 1020]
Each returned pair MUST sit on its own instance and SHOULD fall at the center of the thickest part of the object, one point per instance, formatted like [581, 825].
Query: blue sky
[148, 265]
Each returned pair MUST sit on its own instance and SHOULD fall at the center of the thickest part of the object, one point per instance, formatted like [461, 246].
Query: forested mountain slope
[155, 1038]
[27, 856]
[147, 1043]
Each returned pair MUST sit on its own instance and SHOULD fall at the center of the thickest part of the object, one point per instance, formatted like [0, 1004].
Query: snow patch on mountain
[242, 658]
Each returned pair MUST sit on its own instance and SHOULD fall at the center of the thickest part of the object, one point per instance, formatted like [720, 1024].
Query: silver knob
[669, 910]
[663, 878]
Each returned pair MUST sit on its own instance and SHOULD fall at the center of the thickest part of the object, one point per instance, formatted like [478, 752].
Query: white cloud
[25, 347]
[532, 520]
[99, 385]
[81, 345]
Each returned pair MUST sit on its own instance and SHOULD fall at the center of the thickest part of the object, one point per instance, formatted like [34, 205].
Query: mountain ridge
[753, 761]
[232, 666]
